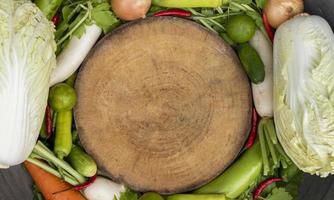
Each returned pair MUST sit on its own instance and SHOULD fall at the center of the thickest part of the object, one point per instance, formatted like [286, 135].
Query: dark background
[15, 183]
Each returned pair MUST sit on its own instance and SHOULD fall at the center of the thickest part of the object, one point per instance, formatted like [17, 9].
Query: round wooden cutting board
[163, 105]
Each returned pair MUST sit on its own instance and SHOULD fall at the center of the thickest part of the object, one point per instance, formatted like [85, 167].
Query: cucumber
[251, 62]
[82, 162]
[238, 177]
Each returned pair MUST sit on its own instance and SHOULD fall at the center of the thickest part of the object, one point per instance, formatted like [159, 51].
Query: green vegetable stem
[288, 173]
[43, 132]
[190, 3]
[71, 80]
[48, 7]
[273, 154]
[62, 99]
[238, 177]
[197, 197]
[41, 152]
[77, 16]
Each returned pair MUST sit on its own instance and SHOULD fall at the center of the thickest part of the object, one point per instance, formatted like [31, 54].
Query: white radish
[74, 54]
[103, 189]
[263, 92]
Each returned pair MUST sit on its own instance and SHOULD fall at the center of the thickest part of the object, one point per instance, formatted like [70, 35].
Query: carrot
[50, 185]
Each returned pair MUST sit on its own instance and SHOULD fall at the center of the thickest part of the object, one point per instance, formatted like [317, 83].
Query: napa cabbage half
[27, 57]
[304, 92]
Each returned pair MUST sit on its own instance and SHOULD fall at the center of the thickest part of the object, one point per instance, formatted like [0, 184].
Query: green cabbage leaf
[304, 92]
[27, 57]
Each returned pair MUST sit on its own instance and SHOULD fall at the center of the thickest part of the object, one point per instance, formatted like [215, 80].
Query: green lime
[240, 28]
[151, 196]
[62, 97]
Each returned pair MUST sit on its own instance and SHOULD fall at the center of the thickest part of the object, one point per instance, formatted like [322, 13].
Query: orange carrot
[51, 186]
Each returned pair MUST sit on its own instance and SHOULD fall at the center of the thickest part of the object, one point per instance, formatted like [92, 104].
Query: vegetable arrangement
[82, 23]
[290, 84]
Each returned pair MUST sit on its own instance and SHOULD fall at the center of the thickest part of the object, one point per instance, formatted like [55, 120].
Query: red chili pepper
[86, 184]
[79, 187]
[268, 28]
[173, 12]
[252, 134]
[55, 20]
[263, 186]
[48, 121]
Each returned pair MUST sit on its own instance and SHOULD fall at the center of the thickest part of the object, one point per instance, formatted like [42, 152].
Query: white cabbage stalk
[26, 60]
[304, 92]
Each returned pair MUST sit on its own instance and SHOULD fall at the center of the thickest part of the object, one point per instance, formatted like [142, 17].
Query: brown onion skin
[130, 9]
[279, 11]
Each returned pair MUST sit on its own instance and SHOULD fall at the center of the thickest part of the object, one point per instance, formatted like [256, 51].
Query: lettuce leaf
[27, 57]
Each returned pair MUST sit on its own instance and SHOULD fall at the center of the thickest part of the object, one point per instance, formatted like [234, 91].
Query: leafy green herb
[243, 1]
[248, 194]
[154, 9]
[279, 194]
[37, 193]
[293, 185]
[128, 195]
[76, 15]
[228, 39]
[104, 18]
[207, 11]
[258, 20]
[260, 3]
[215, 19]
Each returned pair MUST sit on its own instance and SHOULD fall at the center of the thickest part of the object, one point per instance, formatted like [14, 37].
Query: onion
[279, 11]
[130, 9]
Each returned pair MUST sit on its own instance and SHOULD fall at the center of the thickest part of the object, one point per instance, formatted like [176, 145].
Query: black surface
[315, 188]
[323, 8]
[15, 183]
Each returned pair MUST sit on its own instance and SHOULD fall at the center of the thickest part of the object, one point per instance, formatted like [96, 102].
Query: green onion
[270, 145]
[265, 159]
